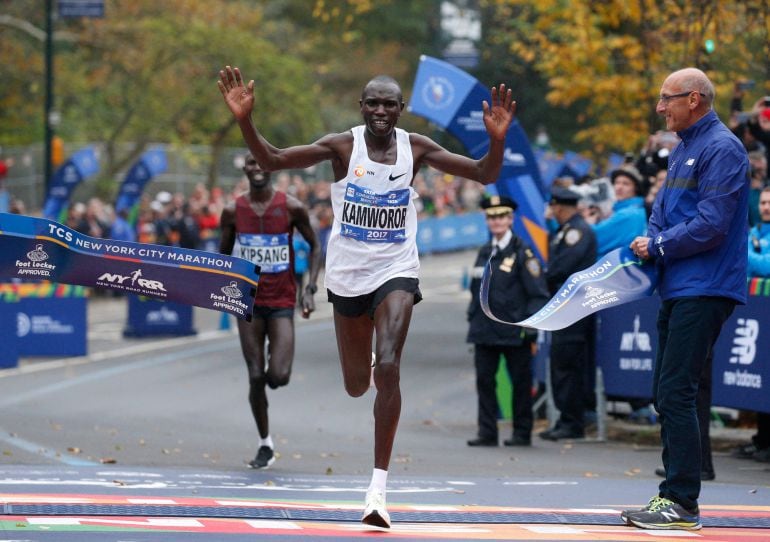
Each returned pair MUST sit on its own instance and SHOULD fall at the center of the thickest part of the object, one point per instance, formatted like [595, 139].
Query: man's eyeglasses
[665, 98]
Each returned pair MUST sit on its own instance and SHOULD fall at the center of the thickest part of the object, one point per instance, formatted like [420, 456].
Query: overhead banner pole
[451, 98]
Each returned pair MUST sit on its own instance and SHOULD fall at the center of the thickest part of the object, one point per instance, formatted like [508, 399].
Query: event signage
[79, 166]
[81, 8]
[148, 316]
[627, 340]
[153, 162]
[36, 248]
[451, 99]
[616, 278]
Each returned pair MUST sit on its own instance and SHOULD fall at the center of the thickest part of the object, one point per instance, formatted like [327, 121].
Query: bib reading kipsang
[269, 251]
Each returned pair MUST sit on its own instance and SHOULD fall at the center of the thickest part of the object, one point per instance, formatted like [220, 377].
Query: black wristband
[312, 288]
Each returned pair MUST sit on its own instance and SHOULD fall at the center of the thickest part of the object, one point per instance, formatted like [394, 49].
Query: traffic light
[709, 46]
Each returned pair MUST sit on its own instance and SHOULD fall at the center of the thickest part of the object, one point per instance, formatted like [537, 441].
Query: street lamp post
[48, 93]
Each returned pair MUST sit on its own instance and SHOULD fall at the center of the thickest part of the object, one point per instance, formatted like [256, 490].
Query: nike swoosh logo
[392, 178]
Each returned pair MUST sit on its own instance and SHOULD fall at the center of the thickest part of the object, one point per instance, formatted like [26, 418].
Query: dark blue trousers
[518, 361]
[688, 327]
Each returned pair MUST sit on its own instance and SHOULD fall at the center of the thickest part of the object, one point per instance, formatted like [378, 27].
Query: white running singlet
[374, 234]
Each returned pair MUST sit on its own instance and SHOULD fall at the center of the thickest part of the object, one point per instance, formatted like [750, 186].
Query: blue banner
[153, 162]
[451, 99]
[627, 340]
[616, 278]
[9, 353]
[150, 317]
[551, 165]
[36, 248]
[454, 232]
[51, 326]
[79, 166]
[575, 165]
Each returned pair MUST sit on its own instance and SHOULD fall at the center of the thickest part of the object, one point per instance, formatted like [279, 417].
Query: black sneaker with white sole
[265, 458]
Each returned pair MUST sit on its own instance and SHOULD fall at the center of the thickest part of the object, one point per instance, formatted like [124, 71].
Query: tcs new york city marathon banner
[37, 248]
[451, 99]
[617, 278]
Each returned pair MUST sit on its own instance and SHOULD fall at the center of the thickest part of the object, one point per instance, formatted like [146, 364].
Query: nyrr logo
[744, 348]
[134, 278]
[634, 340]
[438, 92]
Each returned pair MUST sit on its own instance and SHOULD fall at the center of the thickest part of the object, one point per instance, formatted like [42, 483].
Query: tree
[611, 57]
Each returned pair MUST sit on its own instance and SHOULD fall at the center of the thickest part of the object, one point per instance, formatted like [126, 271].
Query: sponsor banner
[625, 347]
[81, 165]
[616, 278]
[148, 316]
[451, 233]
[451, 98]
[741, 372]
[51, 326]
[627, 341]
[9, 352]
[153, 162]
[36, 248]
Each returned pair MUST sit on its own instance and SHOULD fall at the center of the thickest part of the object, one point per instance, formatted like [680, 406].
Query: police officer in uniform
[518, 289]
[572, 248]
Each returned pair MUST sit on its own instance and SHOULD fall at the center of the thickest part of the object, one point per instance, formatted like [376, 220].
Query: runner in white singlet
[372, 266]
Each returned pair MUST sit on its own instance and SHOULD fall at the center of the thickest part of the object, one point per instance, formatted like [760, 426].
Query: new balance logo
[744, 348]
[670, 514]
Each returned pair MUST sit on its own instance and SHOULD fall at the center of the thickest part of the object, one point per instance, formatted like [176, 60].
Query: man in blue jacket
[697, 236]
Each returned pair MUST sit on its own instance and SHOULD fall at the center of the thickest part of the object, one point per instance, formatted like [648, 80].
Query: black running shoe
[265, 458]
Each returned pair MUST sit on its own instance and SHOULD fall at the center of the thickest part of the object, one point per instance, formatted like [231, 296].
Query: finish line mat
[174, 507]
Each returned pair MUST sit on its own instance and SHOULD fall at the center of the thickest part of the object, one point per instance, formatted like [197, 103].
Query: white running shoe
[374, 512]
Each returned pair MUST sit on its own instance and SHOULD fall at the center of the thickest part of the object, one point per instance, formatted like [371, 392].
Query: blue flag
[451, 99]
[153, 162]
[617, 278]
[81, 165]
[37, 248]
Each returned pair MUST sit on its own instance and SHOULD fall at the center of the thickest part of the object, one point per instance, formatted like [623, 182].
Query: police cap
[564, 196]
[498, 205]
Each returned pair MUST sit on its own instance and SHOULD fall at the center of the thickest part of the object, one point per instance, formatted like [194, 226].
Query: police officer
[517, 290]
[572, 248]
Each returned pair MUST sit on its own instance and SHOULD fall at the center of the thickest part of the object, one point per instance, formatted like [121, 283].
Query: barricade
[627, 339]
[44, 319]
[151, 317]
[455, 232]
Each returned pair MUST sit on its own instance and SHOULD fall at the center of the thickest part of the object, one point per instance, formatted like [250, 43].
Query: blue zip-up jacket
[627, 222]
[759, 250]
[698, 228]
